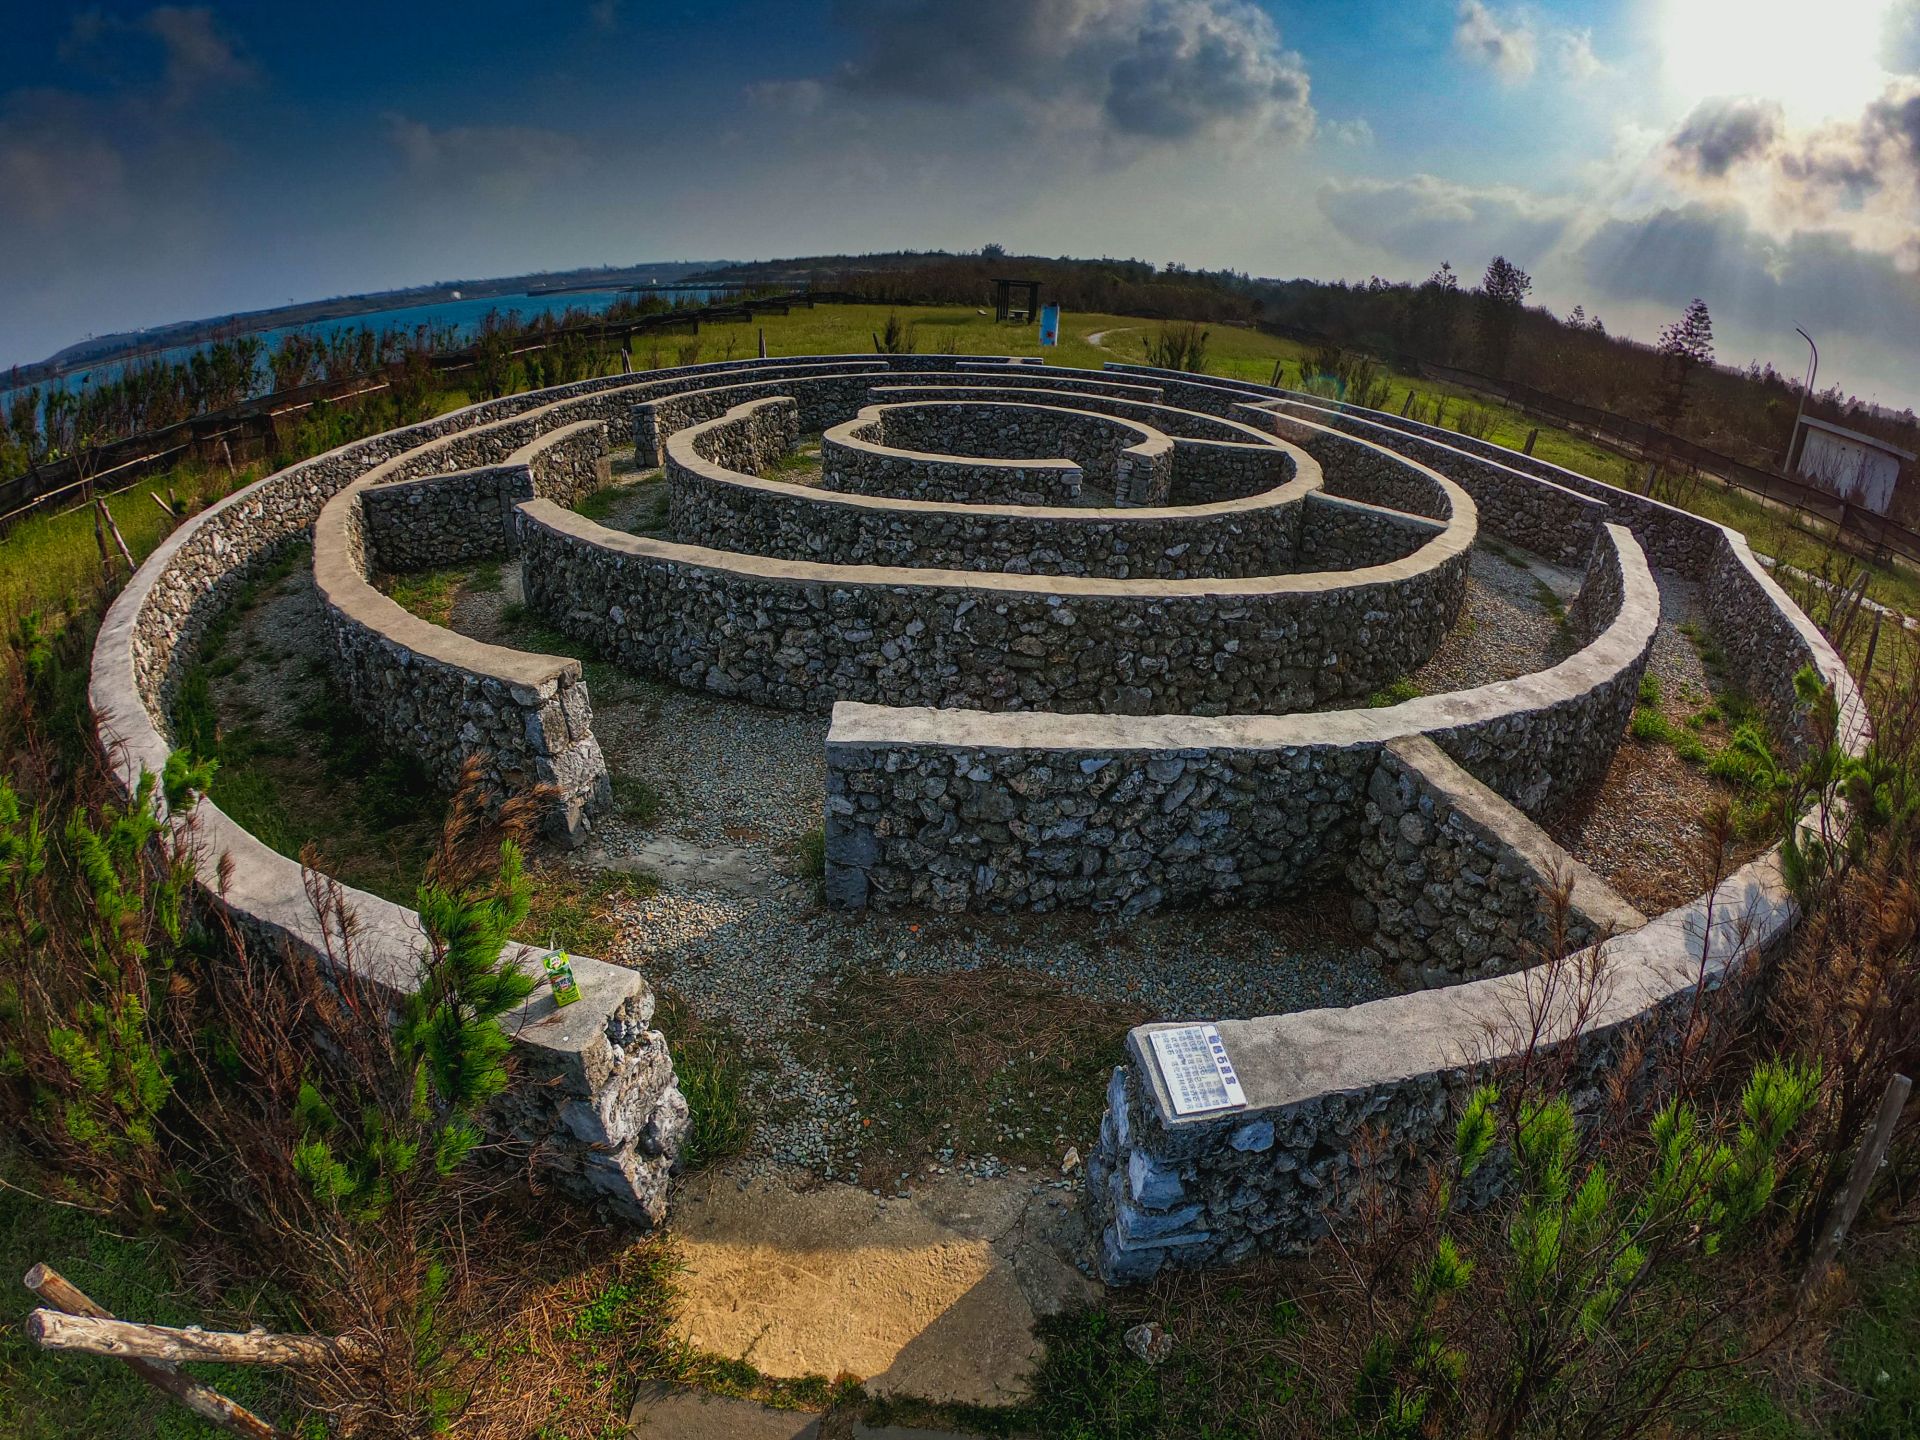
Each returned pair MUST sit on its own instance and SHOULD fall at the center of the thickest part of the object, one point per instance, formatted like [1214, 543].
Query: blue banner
[1049, 324]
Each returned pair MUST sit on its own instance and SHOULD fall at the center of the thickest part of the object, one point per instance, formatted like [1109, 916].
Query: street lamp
[1813, 368]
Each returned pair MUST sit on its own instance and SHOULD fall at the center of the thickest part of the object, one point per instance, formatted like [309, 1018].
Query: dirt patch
[934, 1297]
[982, 1062]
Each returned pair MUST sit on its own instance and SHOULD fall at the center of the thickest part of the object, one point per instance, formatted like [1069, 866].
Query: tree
[1444, 278]
[1684, 346]
[992, 251]
[1503, 291]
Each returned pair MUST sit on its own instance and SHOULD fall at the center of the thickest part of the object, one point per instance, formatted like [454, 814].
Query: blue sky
[165, 162]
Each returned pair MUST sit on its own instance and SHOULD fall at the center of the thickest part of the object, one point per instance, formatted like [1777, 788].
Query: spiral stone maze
[1063, 664]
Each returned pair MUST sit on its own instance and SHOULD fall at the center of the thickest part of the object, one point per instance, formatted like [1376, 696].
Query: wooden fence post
[210, 1405]
[1866, 1163]
[1532, 435]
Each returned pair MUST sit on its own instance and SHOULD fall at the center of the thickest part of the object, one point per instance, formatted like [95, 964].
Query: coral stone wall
[1452, 883]
[828, 393]
[1546, 518]
[1168, 1189]
[444, 698]
[801, 635]
[933, 451]
[1338, 534]
[717, 501]
[449, 519]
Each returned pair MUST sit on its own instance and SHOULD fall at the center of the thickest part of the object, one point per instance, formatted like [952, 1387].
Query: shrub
[1178, 347]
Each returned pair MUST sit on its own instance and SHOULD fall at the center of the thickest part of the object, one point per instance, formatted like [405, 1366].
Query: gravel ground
[1640, 829]
[749, 946]
[738, 776]
[1506, 628]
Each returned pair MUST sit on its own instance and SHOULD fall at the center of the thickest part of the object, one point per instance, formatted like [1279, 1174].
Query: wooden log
[165, 509]
[126, 1340]
[209, 1404]
[119, 540]
[100, 539]
[1866, 1164]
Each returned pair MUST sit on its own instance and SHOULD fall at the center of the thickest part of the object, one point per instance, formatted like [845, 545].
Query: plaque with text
[1193, 1061]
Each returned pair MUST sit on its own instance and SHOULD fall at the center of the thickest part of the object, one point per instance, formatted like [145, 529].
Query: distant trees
[1684, 347]
[1503, 295]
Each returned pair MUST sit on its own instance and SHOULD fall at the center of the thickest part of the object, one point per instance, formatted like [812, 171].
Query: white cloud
[1356, 132]
[1505, 44]
[1129, 74]
[1423, 219]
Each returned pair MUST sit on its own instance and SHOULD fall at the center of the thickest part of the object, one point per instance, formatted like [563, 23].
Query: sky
[162, 163]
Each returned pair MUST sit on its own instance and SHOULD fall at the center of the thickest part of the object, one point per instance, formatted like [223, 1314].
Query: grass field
[47, 560]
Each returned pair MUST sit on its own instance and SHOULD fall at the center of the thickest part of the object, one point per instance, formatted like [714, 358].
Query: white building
[1858, 468]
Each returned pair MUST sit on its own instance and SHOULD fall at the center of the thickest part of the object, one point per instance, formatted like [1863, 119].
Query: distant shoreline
[131, 345]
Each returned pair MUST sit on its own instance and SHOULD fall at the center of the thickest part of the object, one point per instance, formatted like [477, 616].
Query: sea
[464, 316]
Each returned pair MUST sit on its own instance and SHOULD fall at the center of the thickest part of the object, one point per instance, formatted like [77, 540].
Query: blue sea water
[463, 316]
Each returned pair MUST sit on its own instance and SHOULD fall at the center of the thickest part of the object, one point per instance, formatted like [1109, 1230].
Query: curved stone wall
[443, 698]
[1213, 1189]
[829, 392]
[991, 803]
[718, 501]
[970, 452]
[1214, 459]
[801, 635]
[961, 809]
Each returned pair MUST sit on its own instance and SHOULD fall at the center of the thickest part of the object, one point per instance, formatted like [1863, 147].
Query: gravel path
[736, 776]
[1640, 828]
[1506, 628]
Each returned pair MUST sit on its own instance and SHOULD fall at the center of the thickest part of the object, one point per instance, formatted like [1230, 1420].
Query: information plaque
[1193, 1061]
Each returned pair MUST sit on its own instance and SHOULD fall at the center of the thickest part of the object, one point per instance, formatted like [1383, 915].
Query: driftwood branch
[210, 1405]
[127, 1340]
[1866, 1164]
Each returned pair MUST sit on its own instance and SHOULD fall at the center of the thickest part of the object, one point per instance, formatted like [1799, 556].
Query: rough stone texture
[829, 393]
[1337, 534]
[1452, 883]
[957, 809]
[801, 635]
[1203, 1190]
[450, 519]
[1546, 518]
[858, 458]
[718, 502]
[592, 1069]
[444, 698]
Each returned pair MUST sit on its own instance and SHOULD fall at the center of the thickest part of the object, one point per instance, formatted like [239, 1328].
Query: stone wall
[932, 450]
[1673, 539]
[1211, 1189]
[801, 635]
[1213, 459]
[451, 519]
[598, 1095]
[1338, 534]
[959, 809]
[829, 394]
[717, 501]
[1540, 516]
[1452, 883]
[444, 698]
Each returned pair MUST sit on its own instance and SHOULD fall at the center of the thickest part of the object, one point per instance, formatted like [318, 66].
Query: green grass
[1396, 692]
[577, 911]
[970, 1063]
[637, 801]
[48, 1396]
[430, 593]
[1876, 1352]
[711, 1065]
[48, 560]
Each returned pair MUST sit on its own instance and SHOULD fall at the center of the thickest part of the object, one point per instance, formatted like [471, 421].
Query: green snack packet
[560, 973]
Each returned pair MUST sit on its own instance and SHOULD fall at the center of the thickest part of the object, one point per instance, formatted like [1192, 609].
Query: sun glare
[1820, 61]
